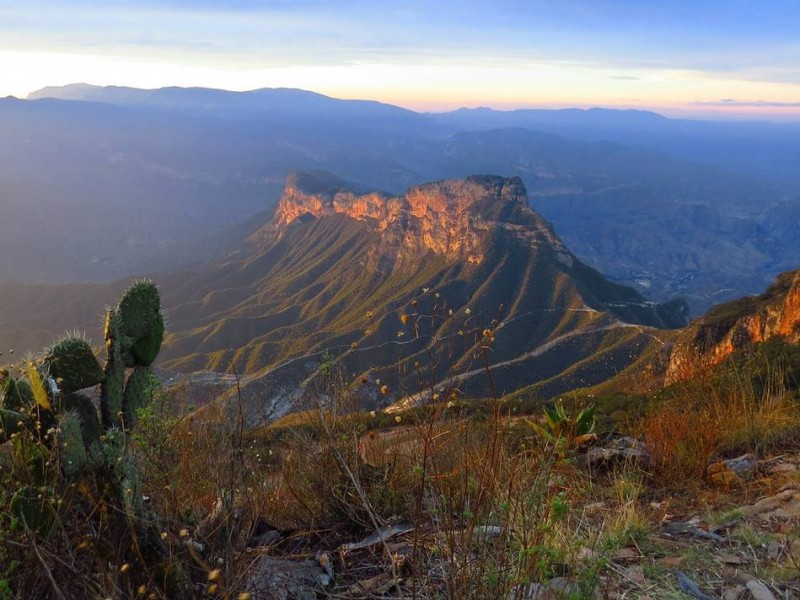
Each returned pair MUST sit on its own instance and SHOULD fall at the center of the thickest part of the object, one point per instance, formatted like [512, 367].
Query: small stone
[733, 593]
[759, 590]
[616, 451]
[794, 549]
[627, 554]
[672, 562]
[774, 550]
[784, 505]
[635, 574]
[281, 579]
[782, 468]
[373, 585]
[690, 587]
[731, 559]
[736, 576]
[268, 538]
[734, 471]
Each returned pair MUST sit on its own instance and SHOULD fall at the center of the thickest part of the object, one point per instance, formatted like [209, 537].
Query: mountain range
[103, 183]
[405, 296]
[306, 245]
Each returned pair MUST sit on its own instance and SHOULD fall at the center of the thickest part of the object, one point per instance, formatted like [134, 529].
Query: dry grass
[721, 414]
[494, 506]
[453, 478]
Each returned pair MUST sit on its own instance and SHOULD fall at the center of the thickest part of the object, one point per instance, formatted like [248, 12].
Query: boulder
[280, 579]
[614, 451]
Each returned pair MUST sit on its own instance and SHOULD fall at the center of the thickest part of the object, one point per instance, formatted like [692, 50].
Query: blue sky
[729, 58]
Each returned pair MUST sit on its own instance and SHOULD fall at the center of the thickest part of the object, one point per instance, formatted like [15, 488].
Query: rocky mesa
[448, 217]
[734, 326]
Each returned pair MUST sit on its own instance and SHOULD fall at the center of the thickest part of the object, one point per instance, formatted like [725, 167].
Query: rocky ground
[735, 536]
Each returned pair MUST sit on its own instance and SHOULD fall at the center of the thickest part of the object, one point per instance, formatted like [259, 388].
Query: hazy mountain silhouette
[115, 181]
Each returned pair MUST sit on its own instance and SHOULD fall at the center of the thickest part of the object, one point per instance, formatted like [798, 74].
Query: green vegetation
[565, 431]
[491, 505]
[67, 464]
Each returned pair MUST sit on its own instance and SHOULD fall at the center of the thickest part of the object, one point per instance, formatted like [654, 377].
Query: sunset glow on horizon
[722, 60]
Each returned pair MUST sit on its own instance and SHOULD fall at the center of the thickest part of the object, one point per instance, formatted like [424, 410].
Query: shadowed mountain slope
[406, 291]
[412, 292]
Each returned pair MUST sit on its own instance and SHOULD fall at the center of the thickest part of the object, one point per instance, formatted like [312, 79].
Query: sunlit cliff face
[450, 217]
[708, 344]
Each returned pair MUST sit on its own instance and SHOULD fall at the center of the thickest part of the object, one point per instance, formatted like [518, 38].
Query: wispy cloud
[730, 102]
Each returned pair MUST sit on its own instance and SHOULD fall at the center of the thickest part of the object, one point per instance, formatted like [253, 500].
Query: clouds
[710, 36]
[731, 103]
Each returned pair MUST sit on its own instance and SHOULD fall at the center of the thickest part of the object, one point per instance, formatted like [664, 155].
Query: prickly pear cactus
[32, 506]
[51, 425]
[113, 385]
[50, 401]
[134, 331]
[138, 390]
[11, 422]
[17, 394]
[139, 310]
[145, 350]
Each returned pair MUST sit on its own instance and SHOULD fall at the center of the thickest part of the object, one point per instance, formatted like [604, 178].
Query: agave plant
[564, 431]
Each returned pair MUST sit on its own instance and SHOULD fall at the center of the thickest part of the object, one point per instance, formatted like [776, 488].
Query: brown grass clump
[682, 440]
[721, 414]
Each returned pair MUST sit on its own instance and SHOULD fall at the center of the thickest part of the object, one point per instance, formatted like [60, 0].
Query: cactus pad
[32, 506]
[139, 309]
[146, 348]
[90, 424]
[18, 395]
[11, 422]
[73, 365]
[138, 393]
[70, 439]
[112, 389]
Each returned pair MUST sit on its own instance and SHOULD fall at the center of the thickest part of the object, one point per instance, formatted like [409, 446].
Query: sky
[694, 58]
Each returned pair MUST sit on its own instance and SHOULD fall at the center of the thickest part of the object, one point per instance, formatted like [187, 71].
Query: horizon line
[693, 111]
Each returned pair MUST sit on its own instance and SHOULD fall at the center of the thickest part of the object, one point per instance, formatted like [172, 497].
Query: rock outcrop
[448, 217]
[738, 325]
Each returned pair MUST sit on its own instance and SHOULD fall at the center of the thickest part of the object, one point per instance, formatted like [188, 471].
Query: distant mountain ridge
[219, 101]
[160, 179]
